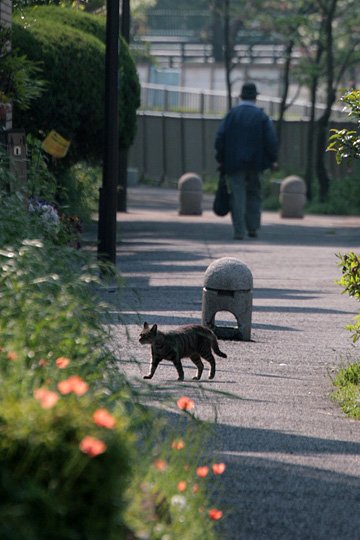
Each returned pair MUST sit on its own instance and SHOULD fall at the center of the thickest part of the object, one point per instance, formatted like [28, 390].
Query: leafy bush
[343, 199]
[78, 190]
[346, 142]
[52, 482]
[19, 77]
[69, 47]
[347, 381]
[79, 456]
[51, 313]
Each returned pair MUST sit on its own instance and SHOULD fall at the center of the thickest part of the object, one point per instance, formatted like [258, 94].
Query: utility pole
[108, 191]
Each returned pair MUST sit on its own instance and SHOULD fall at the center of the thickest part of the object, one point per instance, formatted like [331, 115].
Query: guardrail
[156, 97]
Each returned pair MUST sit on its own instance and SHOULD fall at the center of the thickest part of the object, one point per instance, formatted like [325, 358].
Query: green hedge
[69, 48]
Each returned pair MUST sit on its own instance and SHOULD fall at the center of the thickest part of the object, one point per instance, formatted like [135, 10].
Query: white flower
[179, 501]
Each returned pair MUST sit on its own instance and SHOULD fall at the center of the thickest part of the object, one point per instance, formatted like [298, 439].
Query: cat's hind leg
[195, 357]
[209, 357]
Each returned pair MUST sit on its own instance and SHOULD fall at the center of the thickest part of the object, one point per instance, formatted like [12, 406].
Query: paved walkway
[293, 457]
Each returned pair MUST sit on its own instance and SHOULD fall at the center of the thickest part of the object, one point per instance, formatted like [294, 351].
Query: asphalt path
[293, 463]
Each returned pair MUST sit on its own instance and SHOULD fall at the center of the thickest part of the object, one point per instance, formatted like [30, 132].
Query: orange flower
[91, 446]
[11, 355]
[64, 387]
[185, 404]
[62, 362]
[160, 465]
[215, 514]
[103, 418]
[218, 468]
[196, 488]
[181, 485]
[73, 384]
[178, 444]
[202, 471]
[47, 398]
[79, 387]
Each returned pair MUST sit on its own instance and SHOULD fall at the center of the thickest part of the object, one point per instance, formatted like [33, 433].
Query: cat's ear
[146, 326]
[154, 328]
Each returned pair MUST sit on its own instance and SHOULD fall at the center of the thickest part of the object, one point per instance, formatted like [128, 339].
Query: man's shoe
[252, 234]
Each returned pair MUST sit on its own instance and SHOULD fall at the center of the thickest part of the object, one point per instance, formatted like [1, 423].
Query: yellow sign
[55, 145]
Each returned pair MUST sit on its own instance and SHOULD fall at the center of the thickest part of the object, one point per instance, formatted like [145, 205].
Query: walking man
[245, 146]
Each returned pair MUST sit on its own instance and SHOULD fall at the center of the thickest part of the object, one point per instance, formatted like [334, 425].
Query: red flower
[62, 362]
[91, 446]
[215, 514]
[185, 404]
[218, 468]
[178, 444]
[160, 465]
[46, 397]
[181, 485]
[103, 418]
[202, 471]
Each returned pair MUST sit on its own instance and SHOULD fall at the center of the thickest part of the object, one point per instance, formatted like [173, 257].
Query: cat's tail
[215, 348]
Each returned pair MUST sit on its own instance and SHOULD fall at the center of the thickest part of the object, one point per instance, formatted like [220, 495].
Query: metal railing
[174, 51]
[162, 98]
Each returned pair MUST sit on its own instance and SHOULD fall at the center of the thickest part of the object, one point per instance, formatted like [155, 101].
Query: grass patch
[347, 394]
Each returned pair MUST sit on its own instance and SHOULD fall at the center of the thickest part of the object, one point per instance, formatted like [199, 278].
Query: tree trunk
[286, 83]
[217, 31]
[227, 52]
[310, 139]
[323, 121]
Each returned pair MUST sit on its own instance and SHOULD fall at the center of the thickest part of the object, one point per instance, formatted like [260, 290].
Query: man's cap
[249, 91]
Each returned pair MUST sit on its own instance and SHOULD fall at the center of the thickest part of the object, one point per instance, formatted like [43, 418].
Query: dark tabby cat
[193, 341]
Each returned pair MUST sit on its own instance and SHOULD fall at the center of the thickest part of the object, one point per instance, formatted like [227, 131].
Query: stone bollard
[292, 197]
[190, 194]
[228, 285]
[132, 176]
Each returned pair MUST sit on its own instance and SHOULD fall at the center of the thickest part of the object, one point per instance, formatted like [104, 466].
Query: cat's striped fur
[194, 341]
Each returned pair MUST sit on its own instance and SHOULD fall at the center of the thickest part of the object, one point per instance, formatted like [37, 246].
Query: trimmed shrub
[69, 47]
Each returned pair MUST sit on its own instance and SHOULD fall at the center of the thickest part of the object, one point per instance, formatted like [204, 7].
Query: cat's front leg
[154, 364]
[179, 368]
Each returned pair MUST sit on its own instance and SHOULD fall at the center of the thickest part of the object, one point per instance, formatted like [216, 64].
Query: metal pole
[123, 157]
[108, 191]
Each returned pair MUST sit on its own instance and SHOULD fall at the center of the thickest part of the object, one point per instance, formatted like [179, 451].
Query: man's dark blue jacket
[246, 139]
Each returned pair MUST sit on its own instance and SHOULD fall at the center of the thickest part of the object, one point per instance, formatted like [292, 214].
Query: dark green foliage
[71, 17]
[70, 48]
[19, 77]
[343, 197]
